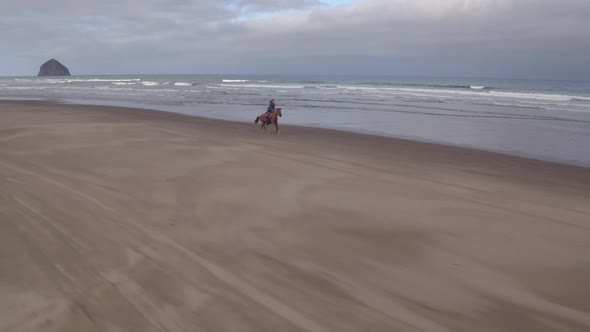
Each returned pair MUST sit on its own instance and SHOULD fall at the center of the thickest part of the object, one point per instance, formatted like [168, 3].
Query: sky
[449, 38]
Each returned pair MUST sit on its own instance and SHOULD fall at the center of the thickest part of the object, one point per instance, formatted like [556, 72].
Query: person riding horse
[270, 109]
[271, 116]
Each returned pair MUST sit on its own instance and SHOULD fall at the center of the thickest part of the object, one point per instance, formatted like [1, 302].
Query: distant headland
[53, 67]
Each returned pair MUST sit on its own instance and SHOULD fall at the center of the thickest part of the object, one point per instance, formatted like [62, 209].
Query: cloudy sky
[481, 38]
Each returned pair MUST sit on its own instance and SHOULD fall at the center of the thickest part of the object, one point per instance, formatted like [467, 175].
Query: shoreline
[136, 220]
[522, 119]
[520, 154]
[138, 107]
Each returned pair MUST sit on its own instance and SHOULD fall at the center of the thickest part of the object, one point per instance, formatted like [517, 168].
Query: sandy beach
[116, 219]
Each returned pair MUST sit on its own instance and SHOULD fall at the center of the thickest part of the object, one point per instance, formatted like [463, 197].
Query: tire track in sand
[273, 305]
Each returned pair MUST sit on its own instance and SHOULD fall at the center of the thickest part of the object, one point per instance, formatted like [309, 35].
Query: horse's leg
[277, 126]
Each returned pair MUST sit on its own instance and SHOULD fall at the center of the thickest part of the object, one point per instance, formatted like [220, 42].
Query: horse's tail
[257, 118]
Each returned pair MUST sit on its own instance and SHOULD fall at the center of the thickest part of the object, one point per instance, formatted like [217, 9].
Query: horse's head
[279, 113]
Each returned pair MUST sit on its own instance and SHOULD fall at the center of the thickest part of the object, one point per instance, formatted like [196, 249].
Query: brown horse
[272, 119]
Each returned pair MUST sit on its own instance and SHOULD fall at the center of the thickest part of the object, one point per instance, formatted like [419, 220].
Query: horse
[273, 118]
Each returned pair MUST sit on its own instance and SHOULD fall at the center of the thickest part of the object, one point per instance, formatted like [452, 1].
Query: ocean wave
[467, 93]
[262, 86]
[74, 80]
[536, 96]
[89, 80]
[582, 99]
[311, 82]
[23, 88]
[320, 87]
[480, 87]
[235, 81]
[182, 84]
[124, 83]
[104, 80]
[51, 81]
[424, 85]
[149, 83]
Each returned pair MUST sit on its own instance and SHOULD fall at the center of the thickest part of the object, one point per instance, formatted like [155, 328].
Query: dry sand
[116, 219]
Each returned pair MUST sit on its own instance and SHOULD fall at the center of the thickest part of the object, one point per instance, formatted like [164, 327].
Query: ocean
[547, 120]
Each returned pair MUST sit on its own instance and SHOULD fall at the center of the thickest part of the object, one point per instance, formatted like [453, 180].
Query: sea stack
[53, 68]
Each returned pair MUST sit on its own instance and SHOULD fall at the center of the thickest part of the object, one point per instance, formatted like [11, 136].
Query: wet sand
[116, 219]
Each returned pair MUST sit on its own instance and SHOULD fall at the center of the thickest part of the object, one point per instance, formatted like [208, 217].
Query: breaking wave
[436, 86]
[263, 86]
[580, 99]
[480, 87]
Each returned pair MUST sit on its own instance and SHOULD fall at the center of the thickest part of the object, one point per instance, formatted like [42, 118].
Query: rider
[270, 109]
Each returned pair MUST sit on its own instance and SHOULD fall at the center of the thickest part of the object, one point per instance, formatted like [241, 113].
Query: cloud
[505, 38]
[272, 5]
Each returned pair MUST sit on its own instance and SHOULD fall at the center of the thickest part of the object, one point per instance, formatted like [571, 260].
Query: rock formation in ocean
[53, 68]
